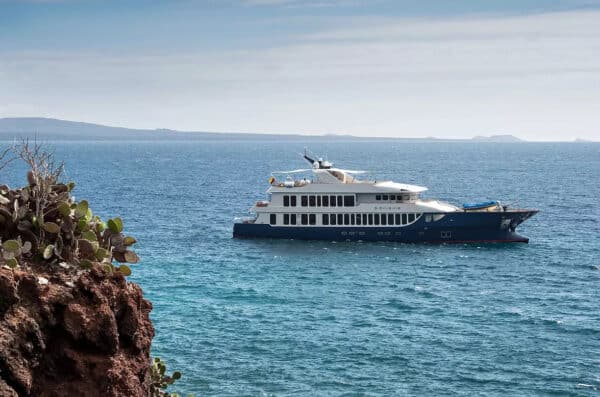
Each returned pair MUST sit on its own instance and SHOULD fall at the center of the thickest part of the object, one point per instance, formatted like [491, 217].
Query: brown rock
[8, 292]
[6, 390]
[81, 334]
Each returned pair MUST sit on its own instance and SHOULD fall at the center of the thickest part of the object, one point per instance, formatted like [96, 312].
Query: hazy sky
[371, 68]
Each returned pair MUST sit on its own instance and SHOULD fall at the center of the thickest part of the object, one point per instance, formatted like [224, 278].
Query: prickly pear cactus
[67, 231]
[160, 381]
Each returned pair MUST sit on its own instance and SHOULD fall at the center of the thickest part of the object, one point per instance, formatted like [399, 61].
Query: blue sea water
[263, 317]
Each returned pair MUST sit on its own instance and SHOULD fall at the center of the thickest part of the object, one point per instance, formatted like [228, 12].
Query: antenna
[307, 157]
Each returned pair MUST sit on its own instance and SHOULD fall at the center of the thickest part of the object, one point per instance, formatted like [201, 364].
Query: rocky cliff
[65, 331]
[70, 323]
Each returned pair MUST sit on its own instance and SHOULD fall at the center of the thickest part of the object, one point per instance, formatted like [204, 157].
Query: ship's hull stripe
[378, 234]
[455, 228]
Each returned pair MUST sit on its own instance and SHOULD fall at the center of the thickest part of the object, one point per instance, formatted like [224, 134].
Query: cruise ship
[334, 204]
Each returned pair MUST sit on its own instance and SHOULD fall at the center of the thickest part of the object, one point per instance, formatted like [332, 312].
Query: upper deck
[373, 187]
[327, 179]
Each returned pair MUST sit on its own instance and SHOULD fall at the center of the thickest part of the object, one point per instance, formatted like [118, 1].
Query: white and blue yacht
[335, 205]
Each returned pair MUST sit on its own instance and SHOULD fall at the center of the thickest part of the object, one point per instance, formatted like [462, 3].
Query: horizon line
[479, 137]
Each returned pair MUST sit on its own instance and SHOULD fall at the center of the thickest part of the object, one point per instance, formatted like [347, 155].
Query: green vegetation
[159, 381]
[42, 222]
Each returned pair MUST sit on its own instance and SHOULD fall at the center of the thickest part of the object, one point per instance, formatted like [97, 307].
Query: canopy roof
[394, 186]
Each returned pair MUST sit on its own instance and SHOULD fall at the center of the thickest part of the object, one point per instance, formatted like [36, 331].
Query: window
[383, 219]
[392, 197]
[364, 219]
[332, 219]
[293, 200]
[340, 219]
[390, 219]
[304, 201]
[340, 201]
[293, 218]
[358, 219]
[411, 218]
[325, 219]
[304, 219]
[378, 197]
[398, 219]
[325, 201]
[376, 220]
[273, 219]
[332, 201]
[312, 219]
[286, 219]
[404, 222]
[318, 201]
[384, 197]
[346, 219]
[352, 219]
[286, 201]
[311, 201]
[348, 201]
[370, 219]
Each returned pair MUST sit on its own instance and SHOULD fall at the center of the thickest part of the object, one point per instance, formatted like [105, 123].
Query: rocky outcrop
[65, 331]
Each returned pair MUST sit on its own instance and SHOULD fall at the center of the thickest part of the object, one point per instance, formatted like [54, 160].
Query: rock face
[67, 332]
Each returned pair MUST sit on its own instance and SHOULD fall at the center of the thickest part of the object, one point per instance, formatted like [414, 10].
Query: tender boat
[335, 205]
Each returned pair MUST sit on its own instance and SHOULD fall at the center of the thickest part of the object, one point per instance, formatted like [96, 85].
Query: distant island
[497, 138]
[55, 129]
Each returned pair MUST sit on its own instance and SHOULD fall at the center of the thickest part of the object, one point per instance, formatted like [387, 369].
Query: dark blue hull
[458, 227]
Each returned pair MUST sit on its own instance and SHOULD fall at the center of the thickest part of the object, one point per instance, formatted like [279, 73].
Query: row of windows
[347, 219]
[392, 197]
[292, 219]
[319, 201]
[369, 219]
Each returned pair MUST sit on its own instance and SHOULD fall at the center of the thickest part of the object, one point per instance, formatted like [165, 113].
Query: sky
[389, 68]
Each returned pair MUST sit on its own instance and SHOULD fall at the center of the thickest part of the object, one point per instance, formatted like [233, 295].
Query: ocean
[268, 317]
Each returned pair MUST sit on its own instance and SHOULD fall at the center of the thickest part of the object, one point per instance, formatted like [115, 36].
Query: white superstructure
[333, 196]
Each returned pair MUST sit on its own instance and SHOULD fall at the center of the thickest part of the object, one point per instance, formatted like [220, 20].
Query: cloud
[582, 24]
[535, 76]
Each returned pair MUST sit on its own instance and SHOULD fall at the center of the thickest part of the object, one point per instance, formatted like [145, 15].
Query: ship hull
[458, 227]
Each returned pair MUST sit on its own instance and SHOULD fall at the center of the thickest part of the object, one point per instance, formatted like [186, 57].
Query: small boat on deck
[487, 206]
